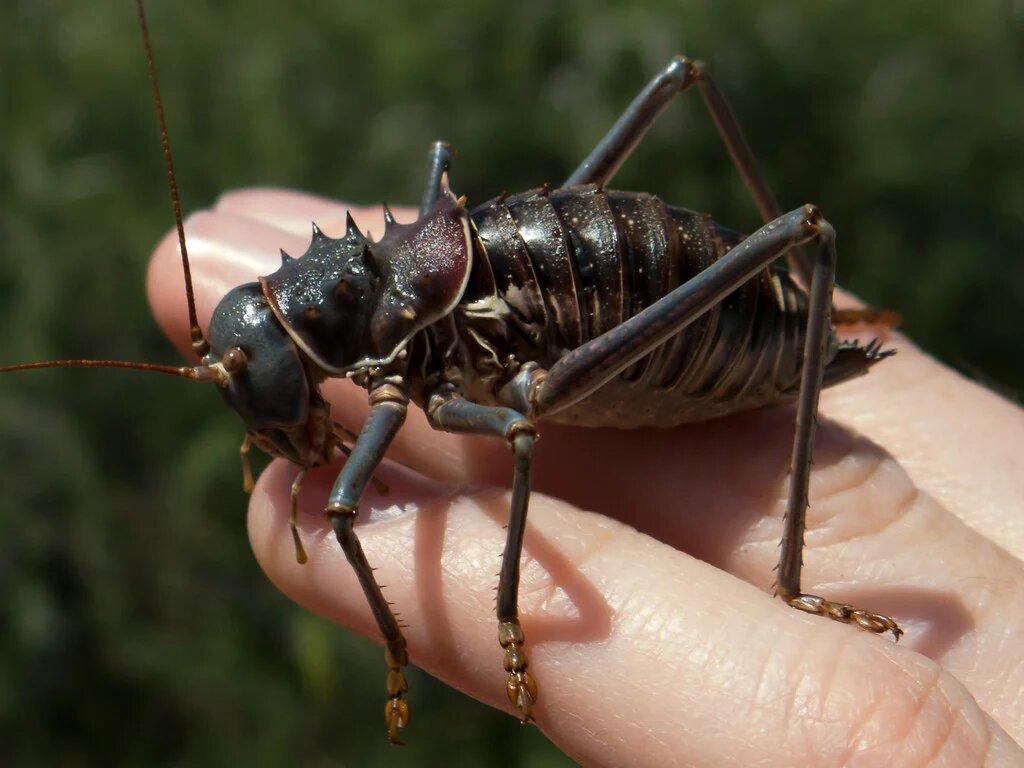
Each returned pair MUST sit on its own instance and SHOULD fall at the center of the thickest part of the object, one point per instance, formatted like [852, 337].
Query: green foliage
[136, 627]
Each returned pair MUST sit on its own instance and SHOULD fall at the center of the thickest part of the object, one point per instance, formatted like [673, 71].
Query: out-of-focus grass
[137, 630]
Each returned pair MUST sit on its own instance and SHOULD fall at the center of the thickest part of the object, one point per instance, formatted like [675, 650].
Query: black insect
[579, 305]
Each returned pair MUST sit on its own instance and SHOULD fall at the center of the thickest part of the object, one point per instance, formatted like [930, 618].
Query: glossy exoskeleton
[580, 305]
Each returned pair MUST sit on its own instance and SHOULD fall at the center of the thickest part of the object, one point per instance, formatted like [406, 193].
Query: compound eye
[234, 361]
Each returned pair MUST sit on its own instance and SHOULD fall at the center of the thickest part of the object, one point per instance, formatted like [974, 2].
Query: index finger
[956, 439]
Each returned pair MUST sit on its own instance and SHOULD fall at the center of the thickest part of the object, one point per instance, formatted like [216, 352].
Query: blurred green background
[135, 627]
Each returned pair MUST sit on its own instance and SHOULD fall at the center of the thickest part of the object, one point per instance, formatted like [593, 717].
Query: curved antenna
[197, 373]
[199, 343]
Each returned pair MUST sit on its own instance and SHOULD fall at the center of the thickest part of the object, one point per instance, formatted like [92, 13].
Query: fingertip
[292, 211]
[225, 251]
[235, 242]
[166, 302]
[287, 209]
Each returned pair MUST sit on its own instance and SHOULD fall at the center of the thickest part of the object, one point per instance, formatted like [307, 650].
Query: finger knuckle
[889, 711]
[860, 494]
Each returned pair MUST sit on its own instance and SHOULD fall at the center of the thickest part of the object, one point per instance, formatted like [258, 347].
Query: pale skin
[648, 561]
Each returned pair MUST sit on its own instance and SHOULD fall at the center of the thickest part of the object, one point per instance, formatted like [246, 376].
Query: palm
[656, 642]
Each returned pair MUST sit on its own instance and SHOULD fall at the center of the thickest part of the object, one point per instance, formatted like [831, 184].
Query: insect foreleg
[449, 412]
[387, 413]
[247, 480]
[439, 161]
[589, 366]
[300, 551]
[677, 77]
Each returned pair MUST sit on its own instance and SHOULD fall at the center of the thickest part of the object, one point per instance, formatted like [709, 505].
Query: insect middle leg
[449, 412]
[589, 366]
[676, 78]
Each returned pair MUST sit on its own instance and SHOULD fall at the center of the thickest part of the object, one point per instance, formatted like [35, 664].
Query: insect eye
[234, 361]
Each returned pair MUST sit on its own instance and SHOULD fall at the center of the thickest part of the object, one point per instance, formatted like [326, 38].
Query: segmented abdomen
[575, 262]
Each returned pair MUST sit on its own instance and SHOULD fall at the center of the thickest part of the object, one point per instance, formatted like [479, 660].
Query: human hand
[650, 626]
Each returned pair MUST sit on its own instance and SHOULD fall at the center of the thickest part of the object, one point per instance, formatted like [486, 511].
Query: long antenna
[198, 373]
[211, 373]
[199, 343]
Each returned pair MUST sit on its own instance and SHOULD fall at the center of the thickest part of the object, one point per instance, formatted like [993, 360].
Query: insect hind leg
[589, 366]
[678, 76]
[787, 582]
[618, 144]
